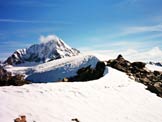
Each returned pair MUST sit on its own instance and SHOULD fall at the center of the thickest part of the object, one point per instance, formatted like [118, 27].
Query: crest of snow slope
[112, 98]
[50, 48]
[55, 70]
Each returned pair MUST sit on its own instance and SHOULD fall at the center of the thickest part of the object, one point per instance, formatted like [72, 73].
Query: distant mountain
[156, 63]
[50, 49]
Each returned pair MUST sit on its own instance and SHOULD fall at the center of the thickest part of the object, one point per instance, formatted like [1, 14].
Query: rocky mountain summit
[50, 49]
[138, 72]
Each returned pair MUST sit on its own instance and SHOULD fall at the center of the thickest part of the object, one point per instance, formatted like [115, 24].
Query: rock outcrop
[138, 72]
[88, 73]
[7, 79]
[22, 118]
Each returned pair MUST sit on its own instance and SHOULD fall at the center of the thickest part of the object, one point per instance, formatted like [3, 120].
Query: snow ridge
[57, 70]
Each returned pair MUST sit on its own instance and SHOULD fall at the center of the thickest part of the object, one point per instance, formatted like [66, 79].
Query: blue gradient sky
[84, 24]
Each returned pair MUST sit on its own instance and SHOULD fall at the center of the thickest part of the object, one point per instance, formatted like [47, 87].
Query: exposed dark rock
[158, 86]
[20, 119]
[157, 73]
[7, 79]
[139, 65]
[120, 63]
[75, 120]
[138, 72]
[152, 89]
[88, 73]
[100, 68]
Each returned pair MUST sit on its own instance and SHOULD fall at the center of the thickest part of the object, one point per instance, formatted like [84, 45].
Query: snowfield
[112, 98]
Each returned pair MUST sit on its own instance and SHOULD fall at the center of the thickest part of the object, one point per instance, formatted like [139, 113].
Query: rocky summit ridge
[138, 72]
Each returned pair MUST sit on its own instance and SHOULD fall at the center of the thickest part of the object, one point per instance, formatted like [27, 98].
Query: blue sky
[84, 24]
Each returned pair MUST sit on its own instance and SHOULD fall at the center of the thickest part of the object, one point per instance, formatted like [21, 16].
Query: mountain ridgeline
[51, 49]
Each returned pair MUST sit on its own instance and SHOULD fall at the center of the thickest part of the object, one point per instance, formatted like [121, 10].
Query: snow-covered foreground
[113, 98]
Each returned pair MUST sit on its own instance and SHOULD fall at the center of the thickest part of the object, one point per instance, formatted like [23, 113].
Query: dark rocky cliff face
[138, 72]
[7, 79]
[88, 73]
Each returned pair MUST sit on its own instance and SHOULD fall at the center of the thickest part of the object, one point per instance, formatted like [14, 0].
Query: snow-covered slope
[154, 67]
[50, 49]
[113, 98]
[55, 70]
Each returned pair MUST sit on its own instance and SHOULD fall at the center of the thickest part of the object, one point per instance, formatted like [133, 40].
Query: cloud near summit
[45, 39]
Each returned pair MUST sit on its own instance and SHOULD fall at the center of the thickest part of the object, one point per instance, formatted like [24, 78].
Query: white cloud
[30, 21]
[33, 3]
[140, 29]
[124, 3]
[122, 45]
[123, 36]
[44, 39]
[155, 54]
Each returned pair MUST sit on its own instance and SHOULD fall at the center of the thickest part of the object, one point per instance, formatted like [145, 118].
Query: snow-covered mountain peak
[50, 48]
[52, 41]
